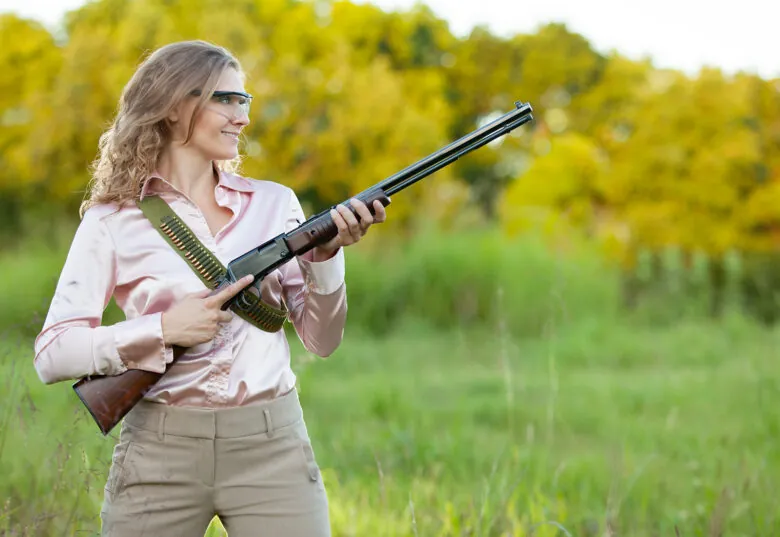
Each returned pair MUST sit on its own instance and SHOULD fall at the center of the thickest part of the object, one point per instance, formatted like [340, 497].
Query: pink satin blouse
[119, 253]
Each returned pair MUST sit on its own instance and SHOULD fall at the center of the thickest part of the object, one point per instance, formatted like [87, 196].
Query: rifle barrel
[453, 151]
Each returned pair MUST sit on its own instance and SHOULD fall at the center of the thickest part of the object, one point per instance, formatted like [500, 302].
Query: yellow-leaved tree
[29, 61]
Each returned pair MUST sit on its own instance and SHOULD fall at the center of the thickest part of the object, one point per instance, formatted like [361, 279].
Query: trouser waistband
[232, 422]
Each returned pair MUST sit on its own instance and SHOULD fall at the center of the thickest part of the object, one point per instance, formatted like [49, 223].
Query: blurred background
[571, 331]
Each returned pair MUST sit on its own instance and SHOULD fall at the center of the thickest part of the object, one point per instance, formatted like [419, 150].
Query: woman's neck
[187, 171]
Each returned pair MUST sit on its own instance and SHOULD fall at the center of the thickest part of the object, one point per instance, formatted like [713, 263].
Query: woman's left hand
[350, 229]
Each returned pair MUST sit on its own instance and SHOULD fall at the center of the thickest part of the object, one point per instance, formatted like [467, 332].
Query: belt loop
[161, 427]
[268, 422]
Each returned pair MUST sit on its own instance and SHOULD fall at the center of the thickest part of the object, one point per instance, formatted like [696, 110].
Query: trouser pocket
[118, 471]
[309, 461]
[306, 452]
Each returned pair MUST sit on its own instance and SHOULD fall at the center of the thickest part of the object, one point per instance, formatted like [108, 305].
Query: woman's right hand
[197, 318]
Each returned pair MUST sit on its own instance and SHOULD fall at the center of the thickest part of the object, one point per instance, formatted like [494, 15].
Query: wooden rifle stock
[110, 398]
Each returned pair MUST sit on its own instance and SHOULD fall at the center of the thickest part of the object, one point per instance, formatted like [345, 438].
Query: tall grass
[485, 387]
[459, 433]
[478, 278]
[475, 278]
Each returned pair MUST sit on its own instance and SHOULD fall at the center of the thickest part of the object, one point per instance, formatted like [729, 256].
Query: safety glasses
[231, 104]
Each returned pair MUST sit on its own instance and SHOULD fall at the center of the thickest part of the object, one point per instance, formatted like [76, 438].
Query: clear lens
[231, 104]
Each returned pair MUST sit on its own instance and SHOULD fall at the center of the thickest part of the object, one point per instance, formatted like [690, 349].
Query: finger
[225, 316]
[352, 223]
[203, 293]
[379, 212]
[341, 224]
[231, 290]
[366, 219]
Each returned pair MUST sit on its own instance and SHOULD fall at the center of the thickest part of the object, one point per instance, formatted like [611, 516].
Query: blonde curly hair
[130, 148]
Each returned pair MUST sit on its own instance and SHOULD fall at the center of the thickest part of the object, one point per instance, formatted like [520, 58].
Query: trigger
[256, 285]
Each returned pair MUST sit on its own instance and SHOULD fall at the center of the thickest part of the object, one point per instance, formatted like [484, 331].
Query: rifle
[109, 398]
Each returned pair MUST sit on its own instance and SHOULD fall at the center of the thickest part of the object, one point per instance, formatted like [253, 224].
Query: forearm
[75, 349]
[319, 310]
[320, 254]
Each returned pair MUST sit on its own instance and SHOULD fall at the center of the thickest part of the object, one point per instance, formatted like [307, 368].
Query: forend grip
[321, 228]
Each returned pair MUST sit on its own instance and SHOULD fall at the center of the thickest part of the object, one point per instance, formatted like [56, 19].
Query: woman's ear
[173, 121]
[173, 115]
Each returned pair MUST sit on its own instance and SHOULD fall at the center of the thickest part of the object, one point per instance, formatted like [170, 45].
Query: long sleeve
[72, 342]
[315, 293]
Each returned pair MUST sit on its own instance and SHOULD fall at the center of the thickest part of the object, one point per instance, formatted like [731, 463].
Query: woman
[222, 432]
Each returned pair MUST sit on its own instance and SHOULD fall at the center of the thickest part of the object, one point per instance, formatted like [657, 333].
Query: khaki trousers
[175, 468]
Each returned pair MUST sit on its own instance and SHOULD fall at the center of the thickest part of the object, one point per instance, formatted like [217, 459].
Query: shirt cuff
[140, 343]
[107, 361]
[323, 277]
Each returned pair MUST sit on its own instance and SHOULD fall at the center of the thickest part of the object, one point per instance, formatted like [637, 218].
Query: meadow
[486, 386]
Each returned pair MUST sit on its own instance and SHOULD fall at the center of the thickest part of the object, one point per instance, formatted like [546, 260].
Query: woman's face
[218, 125]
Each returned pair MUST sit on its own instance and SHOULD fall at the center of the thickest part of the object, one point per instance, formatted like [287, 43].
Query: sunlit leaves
[346, 95]
[29, 60]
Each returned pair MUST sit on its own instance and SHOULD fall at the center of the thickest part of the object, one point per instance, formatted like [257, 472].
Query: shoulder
[100, 212]
[105, 219]
[93, 233]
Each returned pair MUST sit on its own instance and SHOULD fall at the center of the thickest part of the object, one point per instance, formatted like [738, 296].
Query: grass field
[580, 424]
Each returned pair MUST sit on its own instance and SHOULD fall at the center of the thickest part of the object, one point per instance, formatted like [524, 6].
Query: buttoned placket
[221, 358]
